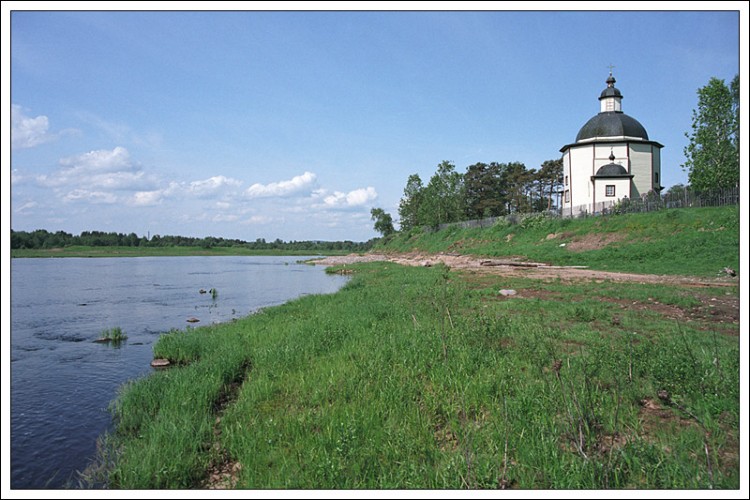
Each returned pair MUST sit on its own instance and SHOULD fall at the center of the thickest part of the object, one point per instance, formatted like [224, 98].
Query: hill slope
[694, 241]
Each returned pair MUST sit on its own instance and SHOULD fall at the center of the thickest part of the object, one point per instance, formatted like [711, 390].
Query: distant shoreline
[170, 251]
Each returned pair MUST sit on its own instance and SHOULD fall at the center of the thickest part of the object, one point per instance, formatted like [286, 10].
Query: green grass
[421, 378]
[687, 241]
[170, 251]
[114, 335]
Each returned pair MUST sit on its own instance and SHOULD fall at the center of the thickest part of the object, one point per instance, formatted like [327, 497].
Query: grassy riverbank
[168, 251]
[425, 378]
[686, 241]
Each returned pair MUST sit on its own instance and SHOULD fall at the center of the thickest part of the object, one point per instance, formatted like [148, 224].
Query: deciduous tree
[383, 221]
[712, 156]
[443, 199]
[408, 208]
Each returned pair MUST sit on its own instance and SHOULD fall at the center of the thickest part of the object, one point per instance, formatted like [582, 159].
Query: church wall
[566, 179]
[620, 150]
[641, 167]
[581, 170]
[610, 105]
[601, 200]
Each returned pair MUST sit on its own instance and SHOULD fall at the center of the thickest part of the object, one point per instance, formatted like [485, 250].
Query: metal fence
[685, 198]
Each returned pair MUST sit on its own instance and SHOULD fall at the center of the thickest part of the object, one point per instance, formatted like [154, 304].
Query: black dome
[612, 124]
[610, 92]
[612, 170]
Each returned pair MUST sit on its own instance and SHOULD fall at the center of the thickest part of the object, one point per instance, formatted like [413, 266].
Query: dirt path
[518, 268]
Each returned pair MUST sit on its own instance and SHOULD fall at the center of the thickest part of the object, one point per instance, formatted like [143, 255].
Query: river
[62, 382]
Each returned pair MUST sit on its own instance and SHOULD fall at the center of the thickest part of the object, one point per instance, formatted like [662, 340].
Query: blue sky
[293, 125]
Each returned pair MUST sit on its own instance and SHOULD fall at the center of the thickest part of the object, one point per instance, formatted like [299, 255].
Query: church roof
[610, 91]
[612, 124]
[612, 169]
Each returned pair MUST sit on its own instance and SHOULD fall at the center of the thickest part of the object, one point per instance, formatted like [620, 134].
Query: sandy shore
[520, 268]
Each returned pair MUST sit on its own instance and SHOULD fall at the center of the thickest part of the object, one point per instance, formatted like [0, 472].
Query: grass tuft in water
[114, 335]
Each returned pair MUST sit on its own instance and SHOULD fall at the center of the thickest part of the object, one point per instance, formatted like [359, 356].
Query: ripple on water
[62, 382]
[62, 337]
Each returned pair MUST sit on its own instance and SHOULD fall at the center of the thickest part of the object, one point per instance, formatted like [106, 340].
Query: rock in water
[159, 362]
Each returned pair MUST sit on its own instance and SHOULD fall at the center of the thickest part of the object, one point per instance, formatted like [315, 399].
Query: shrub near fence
[686, 198]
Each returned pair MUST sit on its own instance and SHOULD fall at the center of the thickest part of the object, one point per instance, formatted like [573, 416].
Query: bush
[534, 221]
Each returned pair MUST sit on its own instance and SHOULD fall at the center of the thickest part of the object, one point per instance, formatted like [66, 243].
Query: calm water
[62, 382]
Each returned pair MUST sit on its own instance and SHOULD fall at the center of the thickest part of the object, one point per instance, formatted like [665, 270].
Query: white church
[611, 159]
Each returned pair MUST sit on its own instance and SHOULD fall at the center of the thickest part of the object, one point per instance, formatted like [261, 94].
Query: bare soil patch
[516, 267]
[719, 310]
[593, 241]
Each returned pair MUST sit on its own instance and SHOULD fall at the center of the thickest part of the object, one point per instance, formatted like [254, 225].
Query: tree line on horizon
[42, 239]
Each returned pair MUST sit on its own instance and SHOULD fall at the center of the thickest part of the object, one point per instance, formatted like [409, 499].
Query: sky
[294, 124]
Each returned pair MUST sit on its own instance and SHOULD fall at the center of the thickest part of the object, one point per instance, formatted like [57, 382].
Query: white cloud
[151, 197]
[147, 198]
[355, 198]
[90, 196]
[337, 198]
[212, 185]
[103, 175]
[119, 180]
[97, 176]
[100, 161]
[26, 207]
[258, 219]
[282, 188]
[16, 177]
[296, 209]
[27, 132]
[97, 171]
[225, 218]
[360, 197]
